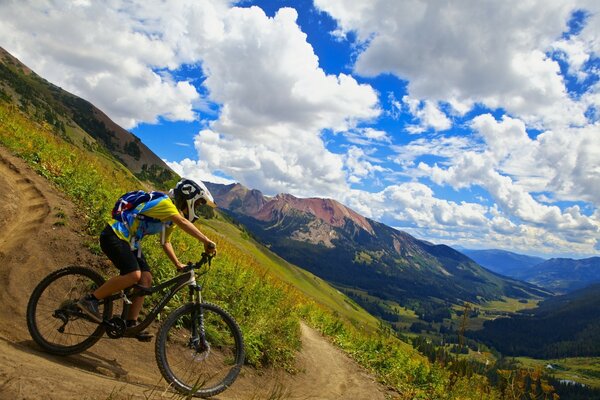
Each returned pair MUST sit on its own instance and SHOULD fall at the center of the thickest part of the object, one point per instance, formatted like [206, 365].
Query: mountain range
[560, 275]
[356, 253]
[502, 262]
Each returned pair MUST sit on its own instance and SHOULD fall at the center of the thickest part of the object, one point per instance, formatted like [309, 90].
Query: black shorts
[119, 252]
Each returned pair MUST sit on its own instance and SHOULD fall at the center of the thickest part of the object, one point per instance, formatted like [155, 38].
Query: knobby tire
[60, 291]
[200, 372]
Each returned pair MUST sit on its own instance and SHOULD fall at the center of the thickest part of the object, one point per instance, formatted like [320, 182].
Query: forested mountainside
[562, 326]
[77, 120]
[562, 275]
[502, 262]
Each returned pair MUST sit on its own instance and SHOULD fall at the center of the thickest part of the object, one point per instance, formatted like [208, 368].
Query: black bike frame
[174, 284]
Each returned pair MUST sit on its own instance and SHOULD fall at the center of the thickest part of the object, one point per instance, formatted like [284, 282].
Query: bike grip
[187, 268]
[206, 258]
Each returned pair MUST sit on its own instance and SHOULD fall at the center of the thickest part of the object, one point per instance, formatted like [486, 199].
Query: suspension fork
[198, 331]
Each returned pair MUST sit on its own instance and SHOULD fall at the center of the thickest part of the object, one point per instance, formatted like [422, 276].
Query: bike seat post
[126, 305]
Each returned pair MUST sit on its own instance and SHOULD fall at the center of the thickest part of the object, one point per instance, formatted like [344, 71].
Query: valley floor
[583, 370]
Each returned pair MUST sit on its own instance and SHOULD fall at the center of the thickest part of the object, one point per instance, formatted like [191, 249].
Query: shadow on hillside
[88, 360]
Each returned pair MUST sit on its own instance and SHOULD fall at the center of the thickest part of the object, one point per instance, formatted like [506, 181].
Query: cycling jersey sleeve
[162, 210]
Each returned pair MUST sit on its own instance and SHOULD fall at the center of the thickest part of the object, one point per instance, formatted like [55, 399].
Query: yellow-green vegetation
[363, 257]
[266, 295]
[367, 257]
[509, 305]
[261, 306]
[308, 284]
[397, 364]
[398, 316]
[91, 180]
[491, 310]
[585, 370]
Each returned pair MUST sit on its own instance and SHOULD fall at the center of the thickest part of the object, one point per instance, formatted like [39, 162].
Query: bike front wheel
[53, 318]
[200, 350]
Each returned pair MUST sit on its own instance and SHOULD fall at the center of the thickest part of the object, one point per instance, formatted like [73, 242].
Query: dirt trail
[41, 233]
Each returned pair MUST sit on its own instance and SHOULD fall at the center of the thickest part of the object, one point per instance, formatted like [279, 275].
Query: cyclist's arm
[168, 248]
[189, 228]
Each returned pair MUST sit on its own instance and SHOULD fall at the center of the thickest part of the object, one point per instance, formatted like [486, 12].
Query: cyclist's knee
[145, 279]
[134, 276]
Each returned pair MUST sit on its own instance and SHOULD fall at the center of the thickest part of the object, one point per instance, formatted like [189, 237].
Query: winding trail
[41, 233]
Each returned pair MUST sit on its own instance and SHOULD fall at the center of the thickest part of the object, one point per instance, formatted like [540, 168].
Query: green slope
[77, 121]
[310, 285]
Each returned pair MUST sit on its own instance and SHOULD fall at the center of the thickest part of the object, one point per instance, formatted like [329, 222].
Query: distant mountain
[560, 275]
[562, 326]
[503, 262]
[357, 253]
[76, 120]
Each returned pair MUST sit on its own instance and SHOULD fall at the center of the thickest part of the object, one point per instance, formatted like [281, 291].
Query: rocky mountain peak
[255, 204]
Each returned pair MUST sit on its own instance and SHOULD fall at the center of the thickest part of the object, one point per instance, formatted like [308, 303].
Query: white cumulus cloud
[120, 55]
[466, 52]
[275, 101]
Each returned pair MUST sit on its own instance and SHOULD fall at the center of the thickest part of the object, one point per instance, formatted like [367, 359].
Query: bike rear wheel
[53, 318]
[196, 367]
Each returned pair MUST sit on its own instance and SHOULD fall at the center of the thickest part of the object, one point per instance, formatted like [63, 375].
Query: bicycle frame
[174, 284]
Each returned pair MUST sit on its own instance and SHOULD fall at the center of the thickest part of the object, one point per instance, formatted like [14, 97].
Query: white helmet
[191, 195]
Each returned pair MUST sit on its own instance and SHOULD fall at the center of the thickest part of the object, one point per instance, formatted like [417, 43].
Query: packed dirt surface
[41, 233]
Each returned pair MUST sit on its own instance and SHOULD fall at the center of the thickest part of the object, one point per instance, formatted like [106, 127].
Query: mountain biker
[120, 242]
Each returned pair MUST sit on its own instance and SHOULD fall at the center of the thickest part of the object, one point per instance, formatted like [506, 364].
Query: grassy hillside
[307, 283]
[76, 120]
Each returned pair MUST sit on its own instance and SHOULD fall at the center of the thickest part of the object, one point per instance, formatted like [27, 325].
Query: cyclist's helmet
[188, 196]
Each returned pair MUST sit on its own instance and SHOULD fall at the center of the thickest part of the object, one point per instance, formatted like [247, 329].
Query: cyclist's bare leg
[117, 283]
[138, 302]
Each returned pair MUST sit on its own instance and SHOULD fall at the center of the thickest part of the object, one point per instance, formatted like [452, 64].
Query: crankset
[115, 327]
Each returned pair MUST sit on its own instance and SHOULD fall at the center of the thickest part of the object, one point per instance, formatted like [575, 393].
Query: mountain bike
[199, 347]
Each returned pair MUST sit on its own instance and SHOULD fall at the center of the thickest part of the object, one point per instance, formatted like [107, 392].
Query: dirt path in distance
[41, 233]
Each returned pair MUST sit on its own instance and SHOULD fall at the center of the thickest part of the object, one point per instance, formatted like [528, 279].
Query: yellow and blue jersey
[137, 225]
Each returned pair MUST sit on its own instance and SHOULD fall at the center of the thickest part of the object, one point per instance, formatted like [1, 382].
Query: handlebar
[206, 259]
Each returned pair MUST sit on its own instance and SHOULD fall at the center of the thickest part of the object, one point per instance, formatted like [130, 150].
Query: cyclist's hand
[210, 248]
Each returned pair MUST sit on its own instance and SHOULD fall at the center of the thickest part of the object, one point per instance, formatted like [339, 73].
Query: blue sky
[467, 123]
